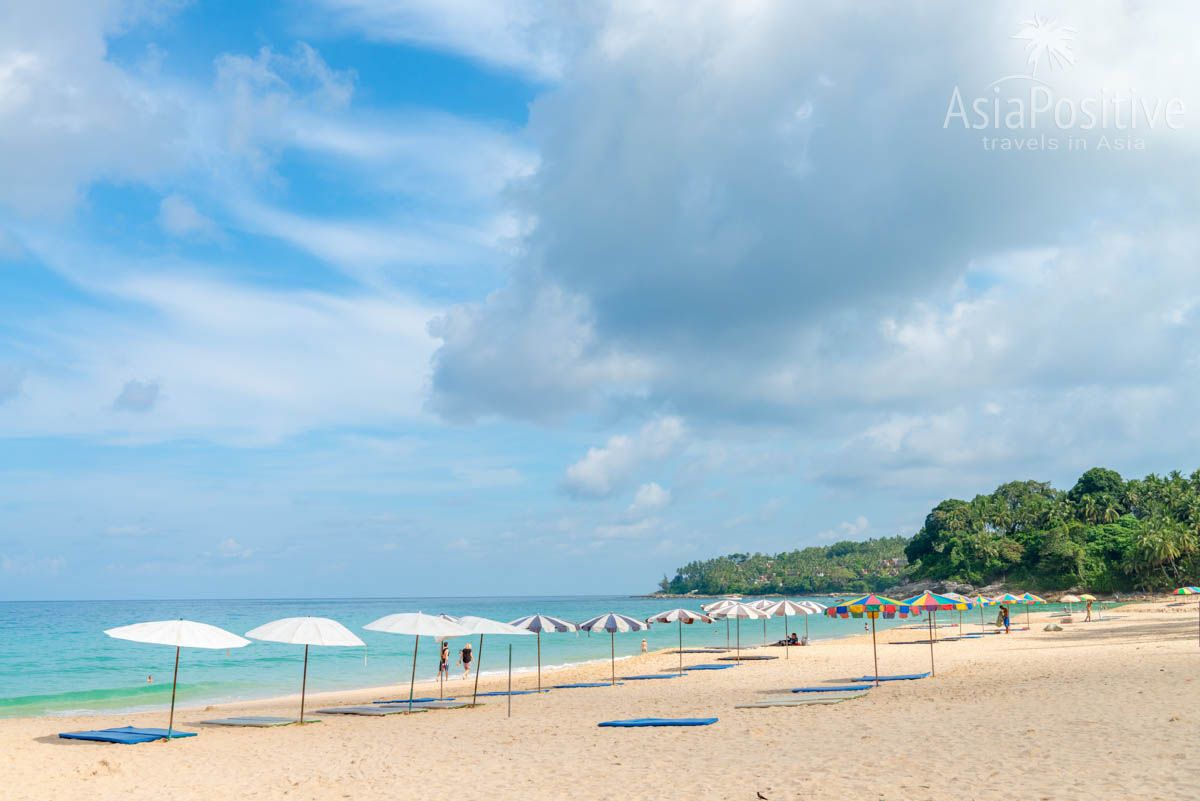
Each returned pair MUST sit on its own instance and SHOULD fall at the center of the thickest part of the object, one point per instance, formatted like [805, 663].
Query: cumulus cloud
[604, 470]
[788, 235]
[649, 498]
[137, 396]
[229, 548]
[847, 529]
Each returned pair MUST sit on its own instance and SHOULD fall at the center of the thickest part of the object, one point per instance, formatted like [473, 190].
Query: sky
[506, 297]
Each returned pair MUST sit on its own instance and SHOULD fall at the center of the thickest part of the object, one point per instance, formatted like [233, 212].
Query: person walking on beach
[444, 662]
[464, 659]
[1088, 617]
[1004, 619]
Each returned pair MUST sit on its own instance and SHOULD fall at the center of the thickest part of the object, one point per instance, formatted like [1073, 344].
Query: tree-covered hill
[1105, 534]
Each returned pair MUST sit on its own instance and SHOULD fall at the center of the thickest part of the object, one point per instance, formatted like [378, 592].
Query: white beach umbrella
[482, 626]
[739, 611]
[1070, 601]
[765, 605]
[717, 606]
[418, 625]
[612, 623]
[787, 608]
[679, 616]
[305, 631]
[537, 624]
[179, 634]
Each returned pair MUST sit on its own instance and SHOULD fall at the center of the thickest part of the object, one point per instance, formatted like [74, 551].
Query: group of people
[465, 657]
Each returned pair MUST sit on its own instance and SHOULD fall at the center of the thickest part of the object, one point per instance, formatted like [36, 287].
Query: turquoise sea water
[55, 658]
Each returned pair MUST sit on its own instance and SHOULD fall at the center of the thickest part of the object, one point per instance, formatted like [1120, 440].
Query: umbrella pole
[875, 651]
[539, 636]
[478, 667]
[806, 627]
[786, 649]
[510, 679]
[932, 671]
[612, 658]
[726, 632]
[303, 684]
[680, 621]
[413, 678]
[739, 639]
[764, 632]
[174, 684]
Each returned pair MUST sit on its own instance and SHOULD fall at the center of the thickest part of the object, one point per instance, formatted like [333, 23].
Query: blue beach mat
[702, 651]
[833, 688]
[415, 700]
[581, 684]
[494, 693]
[710, 667]
[637, 723]
[256, 721]
[373, 710]
[746, 658]
[126, 735]
[900, 677]
[651, 677]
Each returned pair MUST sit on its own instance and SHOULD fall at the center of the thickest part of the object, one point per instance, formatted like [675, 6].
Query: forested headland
[1105, 534]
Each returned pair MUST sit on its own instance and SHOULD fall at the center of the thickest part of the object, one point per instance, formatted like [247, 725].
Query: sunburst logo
[1047, 42]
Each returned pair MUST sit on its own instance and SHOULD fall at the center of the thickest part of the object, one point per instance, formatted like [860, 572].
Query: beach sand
[1105, 710]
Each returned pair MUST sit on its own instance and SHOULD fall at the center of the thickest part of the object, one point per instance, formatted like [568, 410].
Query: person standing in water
[464, 659]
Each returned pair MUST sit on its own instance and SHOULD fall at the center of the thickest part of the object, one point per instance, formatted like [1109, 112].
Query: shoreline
[1029, 690]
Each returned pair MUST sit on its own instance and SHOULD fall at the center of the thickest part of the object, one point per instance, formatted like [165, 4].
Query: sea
[56, 660]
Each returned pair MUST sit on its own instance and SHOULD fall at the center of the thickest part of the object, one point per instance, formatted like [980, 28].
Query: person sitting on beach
[464, 659]
[444, 661]
[793, 640]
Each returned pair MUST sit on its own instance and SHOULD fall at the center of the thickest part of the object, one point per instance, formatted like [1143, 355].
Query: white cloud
[530, 36]
[649, 498]
[606, 469]
[178, 217]
[137, 396]
[229, 548]
[847, 529]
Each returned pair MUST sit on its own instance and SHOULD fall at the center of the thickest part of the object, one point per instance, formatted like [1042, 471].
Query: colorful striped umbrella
[873, 606]
[931, 602]
[1031, 600]
[1191, 591]
[981, 601]
[964, 599]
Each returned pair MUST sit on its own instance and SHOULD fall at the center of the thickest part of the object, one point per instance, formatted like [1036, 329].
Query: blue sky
[353, 297]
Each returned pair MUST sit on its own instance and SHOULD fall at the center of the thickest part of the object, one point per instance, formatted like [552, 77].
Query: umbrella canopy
[482, 626]
[787, 609]
[612, 623]
[964, 599]
[873, 606]
[177, 634]
[418, 625]
[1086, 596]
[1191, 591]
[680, 617]
[1008, 599]
[537, 624]
[717, 606]
[1069, 599]
[931, 602]
[306, 631]
[763, 603]
[738, 611]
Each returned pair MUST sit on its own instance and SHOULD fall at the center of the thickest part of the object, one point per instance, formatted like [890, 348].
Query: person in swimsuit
[1005, 619]
[1088, 619]
[444, 661]
[464, 659]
